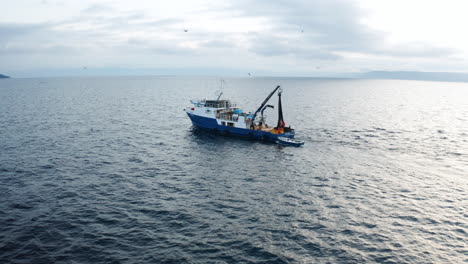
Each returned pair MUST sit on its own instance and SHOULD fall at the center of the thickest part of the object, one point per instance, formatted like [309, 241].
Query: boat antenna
[221, 88]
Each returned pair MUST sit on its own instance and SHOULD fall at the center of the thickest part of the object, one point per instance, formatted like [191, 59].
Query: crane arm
[263, 104]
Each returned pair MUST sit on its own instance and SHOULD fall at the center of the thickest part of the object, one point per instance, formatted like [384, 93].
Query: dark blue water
[109, 170]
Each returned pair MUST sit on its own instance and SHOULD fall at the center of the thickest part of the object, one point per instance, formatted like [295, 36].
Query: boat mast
[221, 88]
[221, 93]
[281, 123]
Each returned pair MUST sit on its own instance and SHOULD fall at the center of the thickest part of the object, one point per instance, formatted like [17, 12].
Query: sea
[110, 170]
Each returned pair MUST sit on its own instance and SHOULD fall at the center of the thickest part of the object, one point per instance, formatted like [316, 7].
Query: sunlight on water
[110, 170]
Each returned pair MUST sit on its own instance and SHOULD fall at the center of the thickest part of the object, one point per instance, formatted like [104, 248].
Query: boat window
[231, 124]
[223, 123]
[218, 104]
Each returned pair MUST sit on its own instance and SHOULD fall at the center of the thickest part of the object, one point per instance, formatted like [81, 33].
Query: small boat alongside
[224, 117]
[289, 141]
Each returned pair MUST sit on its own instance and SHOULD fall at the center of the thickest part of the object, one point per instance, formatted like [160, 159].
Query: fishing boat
[224, 117]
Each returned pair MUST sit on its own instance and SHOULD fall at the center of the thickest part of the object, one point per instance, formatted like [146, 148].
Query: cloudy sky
[232, 37]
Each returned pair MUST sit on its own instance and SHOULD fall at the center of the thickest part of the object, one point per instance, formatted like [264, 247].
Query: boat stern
[290, 134]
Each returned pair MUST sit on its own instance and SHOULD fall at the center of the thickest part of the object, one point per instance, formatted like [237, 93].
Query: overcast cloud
[269, 37]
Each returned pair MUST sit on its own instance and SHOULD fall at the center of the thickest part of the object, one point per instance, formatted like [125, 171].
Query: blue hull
[211, 124]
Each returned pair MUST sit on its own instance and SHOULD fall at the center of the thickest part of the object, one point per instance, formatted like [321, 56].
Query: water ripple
[109, 170]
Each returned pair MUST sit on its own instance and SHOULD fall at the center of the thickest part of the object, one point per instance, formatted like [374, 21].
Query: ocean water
[110, 170]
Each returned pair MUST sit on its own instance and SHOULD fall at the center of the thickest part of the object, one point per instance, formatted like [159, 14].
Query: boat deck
[266, 129]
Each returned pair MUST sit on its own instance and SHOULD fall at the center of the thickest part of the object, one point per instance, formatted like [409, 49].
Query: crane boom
[263, 104]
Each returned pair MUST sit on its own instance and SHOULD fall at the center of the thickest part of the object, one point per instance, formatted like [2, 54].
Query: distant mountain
[3, 76]
[415, 75]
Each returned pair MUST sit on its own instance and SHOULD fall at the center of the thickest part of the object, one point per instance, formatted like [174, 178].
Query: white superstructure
[223, 111]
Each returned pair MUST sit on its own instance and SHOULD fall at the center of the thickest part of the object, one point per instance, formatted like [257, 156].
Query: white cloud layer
[269, 37]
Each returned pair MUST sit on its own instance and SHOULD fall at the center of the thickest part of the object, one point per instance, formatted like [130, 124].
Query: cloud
[303, 30]
[267, 45]
[418, 50]
[256, 33]
[44, 49]
[10, 31]
[218, 44]
[98, 9]
[317, 29]
[325, 25]
[95, 30]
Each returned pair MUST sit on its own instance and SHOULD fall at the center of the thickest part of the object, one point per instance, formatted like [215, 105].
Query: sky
[231, 37]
